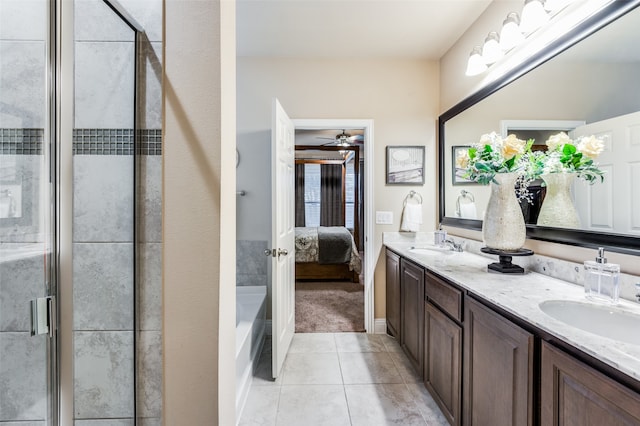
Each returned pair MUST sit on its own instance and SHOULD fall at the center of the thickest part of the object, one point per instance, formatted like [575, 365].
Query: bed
[326, 253]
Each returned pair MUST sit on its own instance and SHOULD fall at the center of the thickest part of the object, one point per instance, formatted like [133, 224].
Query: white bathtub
[250, 330]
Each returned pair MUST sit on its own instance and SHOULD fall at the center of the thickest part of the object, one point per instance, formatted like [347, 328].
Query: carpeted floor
[329, 306]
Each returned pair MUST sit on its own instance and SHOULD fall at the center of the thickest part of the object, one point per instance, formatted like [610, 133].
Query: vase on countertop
[557, 208]
[503, 226]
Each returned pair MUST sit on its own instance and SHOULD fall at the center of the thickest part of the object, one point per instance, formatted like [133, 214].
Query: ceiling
[352, 28]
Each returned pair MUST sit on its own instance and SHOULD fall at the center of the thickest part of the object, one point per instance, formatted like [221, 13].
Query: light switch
[384, 218]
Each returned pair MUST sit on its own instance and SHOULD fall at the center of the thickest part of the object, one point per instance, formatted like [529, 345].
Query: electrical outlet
[384, 218]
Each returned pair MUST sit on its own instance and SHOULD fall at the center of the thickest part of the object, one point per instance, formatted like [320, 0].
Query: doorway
[361, 218]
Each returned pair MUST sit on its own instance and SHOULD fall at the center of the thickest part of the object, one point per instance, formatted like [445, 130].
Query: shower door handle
[43, 316]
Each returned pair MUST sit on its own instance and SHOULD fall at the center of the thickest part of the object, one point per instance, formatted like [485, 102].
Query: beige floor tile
[382, 404]
[262, 375]
[405, 368]
[261, 406]
[313, 405]
[311, 369]
[427, 406]
[390, 343]
[368, 367]
[359, 342]
[312, 343]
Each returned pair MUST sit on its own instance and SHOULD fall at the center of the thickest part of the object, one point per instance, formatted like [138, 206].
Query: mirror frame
[613, 242]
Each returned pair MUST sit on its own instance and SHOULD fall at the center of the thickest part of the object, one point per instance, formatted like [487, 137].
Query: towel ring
[412, 194]
[463, 195]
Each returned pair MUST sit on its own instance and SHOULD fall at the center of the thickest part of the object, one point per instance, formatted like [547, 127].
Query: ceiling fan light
[491, 51]
[510, 35]
[476, 64]
[533, 16]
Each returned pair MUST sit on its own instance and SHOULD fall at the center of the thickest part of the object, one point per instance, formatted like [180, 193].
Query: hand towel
[468, 210]
[411, 217]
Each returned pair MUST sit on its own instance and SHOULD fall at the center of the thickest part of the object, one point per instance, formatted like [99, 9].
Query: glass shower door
[27, 344]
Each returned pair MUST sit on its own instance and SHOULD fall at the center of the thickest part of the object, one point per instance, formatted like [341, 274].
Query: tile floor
[340, 379]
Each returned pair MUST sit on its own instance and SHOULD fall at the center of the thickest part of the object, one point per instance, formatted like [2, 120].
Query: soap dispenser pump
[601, 279]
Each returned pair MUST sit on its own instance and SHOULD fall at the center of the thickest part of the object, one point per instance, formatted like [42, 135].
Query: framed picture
[405, 165]
[456, 177]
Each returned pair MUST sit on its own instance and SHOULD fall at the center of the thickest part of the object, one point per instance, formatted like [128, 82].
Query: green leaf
[568, 149]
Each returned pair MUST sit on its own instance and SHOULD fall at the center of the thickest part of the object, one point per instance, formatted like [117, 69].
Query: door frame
[368, 267]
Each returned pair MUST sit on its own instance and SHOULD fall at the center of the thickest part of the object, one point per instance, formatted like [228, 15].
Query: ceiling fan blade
[357, 138]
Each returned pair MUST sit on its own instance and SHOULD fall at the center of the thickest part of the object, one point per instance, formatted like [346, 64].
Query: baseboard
[380, 326]
[267, 327]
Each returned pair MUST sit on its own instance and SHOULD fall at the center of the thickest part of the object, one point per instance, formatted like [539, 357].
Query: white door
[282, 225]
[613, 205]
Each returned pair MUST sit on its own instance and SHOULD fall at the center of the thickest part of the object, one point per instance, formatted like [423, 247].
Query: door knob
[282, 252]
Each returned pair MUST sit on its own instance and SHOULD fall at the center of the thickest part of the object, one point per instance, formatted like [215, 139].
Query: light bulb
[476, 64]
[533, 16]
[553, 6]
[510, 35]
[491, 51]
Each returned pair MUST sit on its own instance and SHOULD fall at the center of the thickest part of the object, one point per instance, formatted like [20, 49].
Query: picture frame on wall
[456, 177]
[405, 165]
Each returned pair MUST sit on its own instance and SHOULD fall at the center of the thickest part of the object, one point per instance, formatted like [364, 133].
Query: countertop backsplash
[556, 268]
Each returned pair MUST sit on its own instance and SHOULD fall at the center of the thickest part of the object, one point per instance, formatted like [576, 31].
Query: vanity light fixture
[491, 51]
[553, 6]
[510, 35]
[476, 64]
[533, 16]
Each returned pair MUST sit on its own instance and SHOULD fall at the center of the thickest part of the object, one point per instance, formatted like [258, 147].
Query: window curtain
[331, 202]
[300, 207]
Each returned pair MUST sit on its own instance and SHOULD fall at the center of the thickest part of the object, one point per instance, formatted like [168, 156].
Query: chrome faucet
[453, 245]
[638, 291]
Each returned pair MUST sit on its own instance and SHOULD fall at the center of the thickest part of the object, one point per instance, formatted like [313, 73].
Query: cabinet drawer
[443, 295]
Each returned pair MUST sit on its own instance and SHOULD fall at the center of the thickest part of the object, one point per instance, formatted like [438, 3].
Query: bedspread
[307, 248]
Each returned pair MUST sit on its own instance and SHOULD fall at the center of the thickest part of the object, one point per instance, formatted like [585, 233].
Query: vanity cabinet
[498, 369]
[393, 293]
[574, 394]
[443, 346]
[412, 312]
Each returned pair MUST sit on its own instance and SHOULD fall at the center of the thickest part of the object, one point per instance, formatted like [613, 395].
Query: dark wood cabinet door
[412, 312]
[498, 369]
[443, 362]
[574, 394]
[393, 293]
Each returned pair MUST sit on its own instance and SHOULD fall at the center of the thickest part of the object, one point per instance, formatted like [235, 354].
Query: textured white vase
[557, 208]
[503, 225]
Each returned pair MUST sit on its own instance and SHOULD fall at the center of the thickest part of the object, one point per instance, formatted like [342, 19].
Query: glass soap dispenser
[601, 279]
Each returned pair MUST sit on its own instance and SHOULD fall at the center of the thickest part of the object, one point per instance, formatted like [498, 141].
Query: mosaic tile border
[116, 141]
[21, 141]
[85, 141]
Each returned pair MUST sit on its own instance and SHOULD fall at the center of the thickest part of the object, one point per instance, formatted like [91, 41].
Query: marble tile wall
[251, 263]
[106, 316]
[22, 119]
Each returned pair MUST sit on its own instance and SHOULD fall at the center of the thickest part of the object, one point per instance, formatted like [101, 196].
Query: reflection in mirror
[589, 89]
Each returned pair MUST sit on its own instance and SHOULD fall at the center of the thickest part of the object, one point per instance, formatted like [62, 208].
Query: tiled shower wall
[251, 263]
[22, 120]
[117, 340]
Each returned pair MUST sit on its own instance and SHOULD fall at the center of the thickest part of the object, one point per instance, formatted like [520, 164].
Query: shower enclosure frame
[61, 115]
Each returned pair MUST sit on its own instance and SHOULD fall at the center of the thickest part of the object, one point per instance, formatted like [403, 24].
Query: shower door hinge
[43, 316]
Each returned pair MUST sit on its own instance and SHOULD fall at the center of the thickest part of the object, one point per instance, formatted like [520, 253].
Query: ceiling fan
[344, 139]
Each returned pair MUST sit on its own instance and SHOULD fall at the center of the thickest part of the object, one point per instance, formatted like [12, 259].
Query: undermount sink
[430, 251]
[605, 321]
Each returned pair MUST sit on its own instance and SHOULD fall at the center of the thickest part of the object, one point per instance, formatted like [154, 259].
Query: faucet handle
[638, 291]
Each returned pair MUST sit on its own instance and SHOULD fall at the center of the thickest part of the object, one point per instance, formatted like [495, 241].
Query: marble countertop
[520, 295]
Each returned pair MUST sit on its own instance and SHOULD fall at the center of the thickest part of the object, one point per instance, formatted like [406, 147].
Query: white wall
[400, 95]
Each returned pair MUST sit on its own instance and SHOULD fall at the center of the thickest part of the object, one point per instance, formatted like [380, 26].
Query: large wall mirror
[594, 79]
